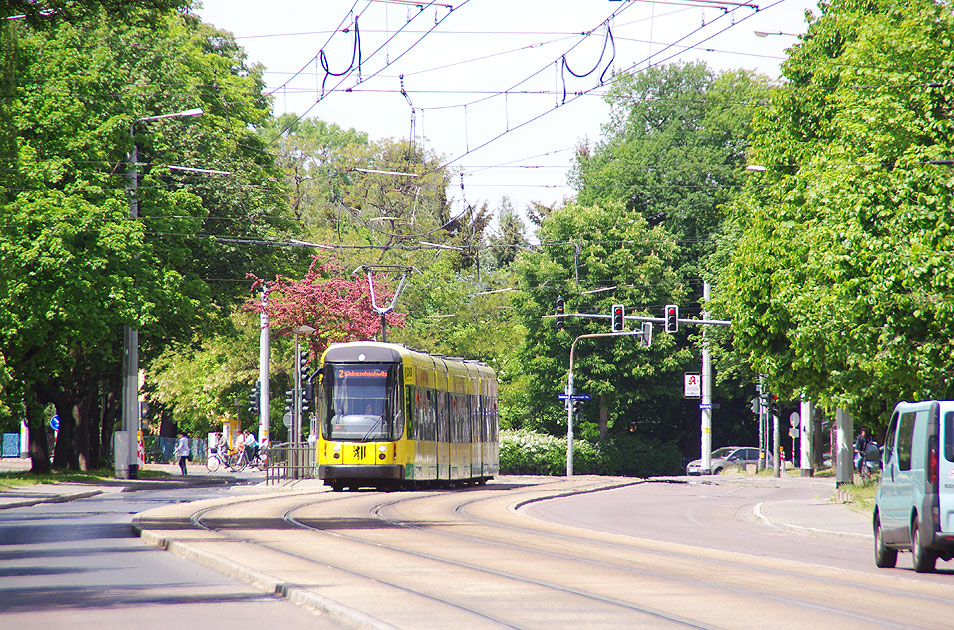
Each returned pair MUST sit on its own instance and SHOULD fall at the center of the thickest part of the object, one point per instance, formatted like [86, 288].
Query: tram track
[206, 519]
[483, 546]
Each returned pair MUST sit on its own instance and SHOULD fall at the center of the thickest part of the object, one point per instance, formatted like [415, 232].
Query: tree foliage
[621, 260]
[336, 306]
[81, 88]
[839, 273]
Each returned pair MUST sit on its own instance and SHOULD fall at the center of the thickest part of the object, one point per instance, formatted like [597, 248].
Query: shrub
[524, 452]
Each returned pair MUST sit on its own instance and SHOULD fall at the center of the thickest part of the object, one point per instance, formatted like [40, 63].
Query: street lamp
[131, 416]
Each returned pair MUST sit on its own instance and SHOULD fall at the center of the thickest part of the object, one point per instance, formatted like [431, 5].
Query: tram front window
[357, 403]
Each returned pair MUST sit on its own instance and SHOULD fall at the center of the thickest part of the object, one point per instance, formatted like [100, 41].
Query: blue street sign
[574, 396]
[705, 405]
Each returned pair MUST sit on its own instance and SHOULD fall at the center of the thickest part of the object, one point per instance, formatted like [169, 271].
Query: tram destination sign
[573, 396]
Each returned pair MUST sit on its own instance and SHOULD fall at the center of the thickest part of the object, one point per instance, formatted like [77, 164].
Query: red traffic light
[617, 315]
[672, 318]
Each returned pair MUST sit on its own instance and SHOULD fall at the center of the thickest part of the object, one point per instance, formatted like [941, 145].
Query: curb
[802, 529]
[337, 612]
[56, 498]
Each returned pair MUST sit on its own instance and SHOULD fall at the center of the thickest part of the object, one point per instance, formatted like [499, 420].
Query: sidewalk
[24, 496]
[827, 513]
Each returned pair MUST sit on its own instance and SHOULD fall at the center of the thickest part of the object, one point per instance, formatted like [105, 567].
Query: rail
[290, 460]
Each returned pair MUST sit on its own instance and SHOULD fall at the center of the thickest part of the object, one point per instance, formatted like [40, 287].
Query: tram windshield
[361, 402]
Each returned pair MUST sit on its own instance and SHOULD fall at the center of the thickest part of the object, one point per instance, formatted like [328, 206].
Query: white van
[914, 506]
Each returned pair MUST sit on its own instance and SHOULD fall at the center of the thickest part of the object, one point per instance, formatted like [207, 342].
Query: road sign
[287, 419]
[55, 423]
[574, 396]
[793, 419]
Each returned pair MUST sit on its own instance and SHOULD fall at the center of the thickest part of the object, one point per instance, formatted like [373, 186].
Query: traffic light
[672, 318]
[577, 407]
[646, 339]
[289, 399]
[617, 313]
[255, 398]
[560, 307]
[307, 393]
[303, 365]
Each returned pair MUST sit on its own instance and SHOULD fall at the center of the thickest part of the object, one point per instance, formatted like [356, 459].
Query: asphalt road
[472, 559]
[714, 513]
[79, 565]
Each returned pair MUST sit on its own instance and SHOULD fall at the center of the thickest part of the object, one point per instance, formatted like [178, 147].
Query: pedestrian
[182, 452]
[861, 447]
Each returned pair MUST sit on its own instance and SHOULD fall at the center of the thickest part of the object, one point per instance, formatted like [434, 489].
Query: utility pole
[131, 415]
[706, 406]
[264, 352]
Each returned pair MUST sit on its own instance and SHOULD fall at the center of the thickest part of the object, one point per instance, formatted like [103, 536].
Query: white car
[723, 457]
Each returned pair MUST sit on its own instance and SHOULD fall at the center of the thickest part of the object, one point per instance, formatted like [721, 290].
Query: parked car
[724, 457]
[914, 505]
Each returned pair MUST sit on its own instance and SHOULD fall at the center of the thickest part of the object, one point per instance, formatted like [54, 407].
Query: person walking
[861, 447]
[182, 452]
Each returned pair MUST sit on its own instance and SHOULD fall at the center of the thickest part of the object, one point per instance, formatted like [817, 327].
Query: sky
[489, 85]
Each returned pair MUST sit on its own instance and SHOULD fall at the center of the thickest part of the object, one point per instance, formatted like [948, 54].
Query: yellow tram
[390, 416]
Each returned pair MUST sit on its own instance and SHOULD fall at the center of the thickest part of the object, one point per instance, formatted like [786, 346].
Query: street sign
[693, 386]
[574, 396]
[705, 405]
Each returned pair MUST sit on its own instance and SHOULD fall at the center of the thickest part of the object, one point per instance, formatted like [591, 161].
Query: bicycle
[260, 461]
[238, 460]
[230, 458]
[213, 461]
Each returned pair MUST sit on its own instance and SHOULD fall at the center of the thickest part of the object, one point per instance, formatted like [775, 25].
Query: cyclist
[251, 447]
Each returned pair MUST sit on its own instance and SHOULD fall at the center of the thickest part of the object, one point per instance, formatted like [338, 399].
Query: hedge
[527, 453]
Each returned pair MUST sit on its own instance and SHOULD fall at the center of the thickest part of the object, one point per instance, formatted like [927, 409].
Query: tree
[620, 261]
[512, 236]
[837, 274]
[75, 267]
[336, 306]
[673, 150]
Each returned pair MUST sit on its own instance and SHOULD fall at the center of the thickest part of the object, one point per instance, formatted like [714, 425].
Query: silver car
[724, 457]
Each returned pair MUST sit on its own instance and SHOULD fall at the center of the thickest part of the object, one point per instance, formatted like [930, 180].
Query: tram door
[443, 436]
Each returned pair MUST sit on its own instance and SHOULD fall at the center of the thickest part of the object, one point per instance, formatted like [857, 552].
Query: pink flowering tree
[338, 307]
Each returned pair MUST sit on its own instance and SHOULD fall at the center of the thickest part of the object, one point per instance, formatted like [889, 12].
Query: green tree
[621, 260]
[85, 269]
[838, 272]
[511, 237]
[673, 150]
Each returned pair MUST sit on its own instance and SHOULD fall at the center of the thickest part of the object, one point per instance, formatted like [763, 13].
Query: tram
[392, 417]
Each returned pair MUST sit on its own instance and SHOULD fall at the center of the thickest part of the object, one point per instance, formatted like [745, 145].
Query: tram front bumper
[332, 471]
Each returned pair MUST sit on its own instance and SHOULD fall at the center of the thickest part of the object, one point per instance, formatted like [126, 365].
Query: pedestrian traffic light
[560, 307]
[672, 318]
[617, 314]
[254, 398]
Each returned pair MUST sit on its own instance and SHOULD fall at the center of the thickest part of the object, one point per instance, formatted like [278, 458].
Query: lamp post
[131, 415]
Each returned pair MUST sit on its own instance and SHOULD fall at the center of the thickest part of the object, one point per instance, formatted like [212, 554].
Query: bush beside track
[528, 453]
